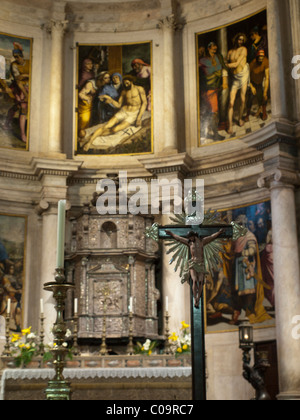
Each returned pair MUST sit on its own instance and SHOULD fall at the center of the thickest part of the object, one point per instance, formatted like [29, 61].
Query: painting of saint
[12, 267]
[244, 284]
[15, 75]
[114, 103]
[233, 80]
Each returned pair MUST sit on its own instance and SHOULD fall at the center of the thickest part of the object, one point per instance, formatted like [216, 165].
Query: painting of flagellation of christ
[15, 78]
[114, 99]
[243, 287]
[233, 80]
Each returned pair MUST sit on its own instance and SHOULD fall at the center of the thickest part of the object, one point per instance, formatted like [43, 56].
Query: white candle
[131, 304]
[167, 304]
[61, 227]
[42, 306]
[8, 306]
[76, 306]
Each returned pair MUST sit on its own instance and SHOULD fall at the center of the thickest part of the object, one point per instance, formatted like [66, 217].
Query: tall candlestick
[167, 304]
[8, 306]
[76, 306]
[42, 306]
[131, 304]
[61, 227]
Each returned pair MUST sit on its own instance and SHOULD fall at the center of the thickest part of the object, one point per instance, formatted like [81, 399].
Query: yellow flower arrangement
[24, 347]
[26, 331]
[174, 337]
[181, 343]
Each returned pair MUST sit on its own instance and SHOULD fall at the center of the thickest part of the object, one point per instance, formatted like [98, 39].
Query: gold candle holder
[7, 351]
[58, 388]
[76, 350]
[130, 349]
[167, 334]
[103, 348]
[42, 335]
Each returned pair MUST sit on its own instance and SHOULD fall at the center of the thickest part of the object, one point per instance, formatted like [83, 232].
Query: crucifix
[196, 249]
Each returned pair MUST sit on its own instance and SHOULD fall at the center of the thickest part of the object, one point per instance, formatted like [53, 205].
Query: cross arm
[202, 230]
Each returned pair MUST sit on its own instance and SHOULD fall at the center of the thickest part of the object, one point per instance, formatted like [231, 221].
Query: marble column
[287, 278]
[168, 25]
[277, 46]
[49, 246]
[54, 188]
[57, 29]
[295, 28]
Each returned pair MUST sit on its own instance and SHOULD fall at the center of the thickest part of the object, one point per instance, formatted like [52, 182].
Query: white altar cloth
[101, 373]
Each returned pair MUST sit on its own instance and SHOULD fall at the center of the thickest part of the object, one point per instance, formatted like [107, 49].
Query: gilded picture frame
[13, 239]
[15, 82]
[233, 80]
[114, 99]
[243, 288]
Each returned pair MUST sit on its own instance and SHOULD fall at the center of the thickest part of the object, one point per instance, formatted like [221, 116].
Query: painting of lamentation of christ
[243, 287]
[233, 80]
[12, 267]
[15, 76]
[114, 99]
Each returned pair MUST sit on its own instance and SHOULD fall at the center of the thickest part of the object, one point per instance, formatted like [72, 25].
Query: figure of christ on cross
[196, 265]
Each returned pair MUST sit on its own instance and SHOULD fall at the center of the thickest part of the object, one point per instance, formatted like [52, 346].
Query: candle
[42, 306]
[76, 306]
[167, 304]
[8, 306]
[131, 304]
[61, 226]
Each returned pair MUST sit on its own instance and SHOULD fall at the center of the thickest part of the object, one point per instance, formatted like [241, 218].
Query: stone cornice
[277, 140]
[228, 166]
[226, 162]
[180, 163]
[39, 167]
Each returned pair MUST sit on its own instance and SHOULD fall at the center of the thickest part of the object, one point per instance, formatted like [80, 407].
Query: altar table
[156, 383]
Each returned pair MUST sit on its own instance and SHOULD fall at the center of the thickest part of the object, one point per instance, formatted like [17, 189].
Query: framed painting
[114, 99]
[233, 80]
[15, 78]
[13, 231]
[244, 285]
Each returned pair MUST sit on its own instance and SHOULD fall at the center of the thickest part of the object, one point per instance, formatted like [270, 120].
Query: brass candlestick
[167, 334]
[42, 335]
[130, 349]
[58, 388]
[103, 348]
[76, 351]
[7, 351]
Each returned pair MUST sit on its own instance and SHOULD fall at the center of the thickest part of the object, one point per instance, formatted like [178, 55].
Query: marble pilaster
[278, 91]
[57, 30]
[169, 25]
[53, 176]
[287, 277]
[295, 29]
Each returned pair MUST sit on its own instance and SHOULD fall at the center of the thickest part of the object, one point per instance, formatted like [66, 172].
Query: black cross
[197, 314]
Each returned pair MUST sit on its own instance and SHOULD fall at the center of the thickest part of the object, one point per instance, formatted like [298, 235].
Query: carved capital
[55, 25]
[171, 23]
[42, 207]
[279, 178]
[50, 206]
